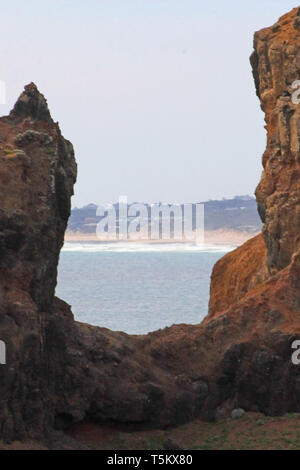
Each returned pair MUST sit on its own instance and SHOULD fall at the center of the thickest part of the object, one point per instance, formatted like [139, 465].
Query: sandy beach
[214, 237]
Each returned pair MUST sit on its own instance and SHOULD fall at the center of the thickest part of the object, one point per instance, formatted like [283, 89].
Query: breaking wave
[134, 247]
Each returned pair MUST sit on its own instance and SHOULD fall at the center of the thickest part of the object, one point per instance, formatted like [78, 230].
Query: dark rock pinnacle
[32, 104]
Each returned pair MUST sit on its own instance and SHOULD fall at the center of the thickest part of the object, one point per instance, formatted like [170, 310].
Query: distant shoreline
[214, 237]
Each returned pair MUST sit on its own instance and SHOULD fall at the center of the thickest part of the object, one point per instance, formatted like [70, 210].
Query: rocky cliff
[37, 173]
[276, 66]
[59, 372]
[276, 69]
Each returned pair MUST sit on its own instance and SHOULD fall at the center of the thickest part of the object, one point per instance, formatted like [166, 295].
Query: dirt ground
[253, 431]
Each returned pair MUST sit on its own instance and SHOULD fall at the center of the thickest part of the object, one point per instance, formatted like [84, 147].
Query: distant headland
[227, 221]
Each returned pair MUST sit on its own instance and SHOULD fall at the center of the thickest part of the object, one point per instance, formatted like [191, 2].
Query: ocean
[137, 287]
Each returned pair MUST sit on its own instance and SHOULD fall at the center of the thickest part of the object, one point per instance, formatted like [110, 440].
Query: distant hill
[237, 214]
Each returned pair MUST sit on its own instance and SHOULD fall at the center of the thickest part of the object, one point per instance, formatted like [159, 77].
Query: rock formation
[276, 67]
[236, 273]
[59, 371]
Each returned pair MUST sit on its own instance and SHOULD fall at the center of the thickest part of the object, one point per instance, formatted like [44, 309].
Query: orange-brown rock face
[236, 273]
[276, 67]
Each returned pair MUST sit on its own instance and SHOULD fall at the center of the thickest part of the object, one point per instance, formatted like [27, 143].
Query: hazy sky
[156, 96]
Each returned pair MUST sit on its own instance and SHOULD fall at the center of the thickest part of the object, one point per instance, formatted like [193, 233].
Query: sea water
[137, 287]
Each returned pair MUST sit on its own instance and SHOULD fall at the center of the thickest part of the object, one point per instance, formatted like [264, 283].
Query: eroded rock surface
[236, 273]
[276, 67]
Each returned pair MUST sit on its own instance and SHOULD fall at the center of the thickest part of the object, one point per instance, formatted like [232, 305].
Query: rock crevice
[59, 371]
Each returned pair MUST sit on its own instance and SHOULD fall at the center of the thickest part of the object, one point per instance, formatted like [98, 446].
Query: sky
[157, 96]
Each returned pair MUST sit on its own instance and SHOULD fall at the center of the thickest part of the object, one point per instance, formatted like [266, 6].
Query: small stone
[276, 28]
[237, 413]
[297, 23]
[260, 422]
[111, 356]
[171, 445]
